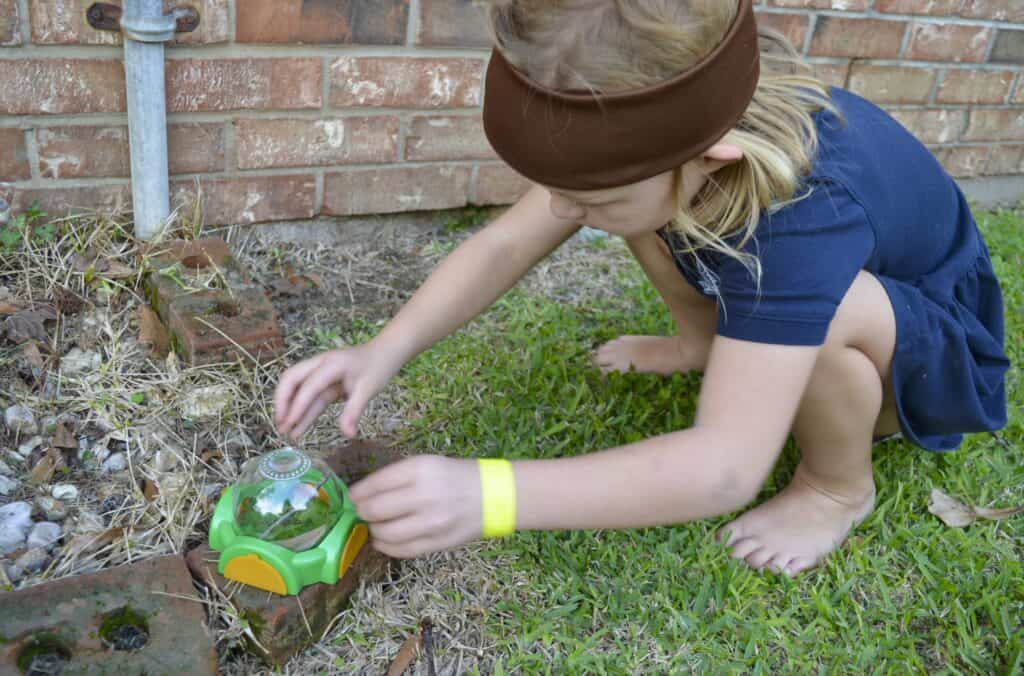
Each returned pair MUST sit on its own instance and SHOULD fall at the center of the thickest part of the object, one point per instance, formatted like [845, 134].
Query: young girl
[823, 271]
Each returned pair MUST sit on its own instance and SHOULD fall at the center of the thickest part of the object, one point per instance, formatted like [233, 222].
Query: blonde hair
[605, 46]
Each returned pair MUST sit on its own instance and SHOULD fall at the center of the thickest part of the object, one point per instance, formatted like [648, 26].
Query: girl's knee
[865, 322]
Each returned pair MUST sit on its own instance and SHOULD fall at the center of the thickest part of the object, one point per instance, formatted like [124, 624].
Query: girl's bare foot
[796, 529]
[645, 354]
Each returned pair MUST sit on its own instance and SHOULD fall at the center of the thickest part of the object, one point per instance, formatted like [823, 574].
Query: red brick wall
[295, 109]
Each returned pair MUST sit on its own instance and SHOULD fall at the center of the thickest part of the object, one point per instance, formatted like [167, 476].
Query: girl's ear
[721, 155]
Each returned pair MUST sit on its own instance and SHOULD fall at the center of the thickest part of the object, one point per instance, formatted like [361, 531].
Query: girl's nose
[563, 207]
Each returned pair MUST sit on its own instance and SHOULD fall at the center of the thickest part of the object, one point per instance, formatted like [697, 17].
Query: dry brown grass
[133, 402]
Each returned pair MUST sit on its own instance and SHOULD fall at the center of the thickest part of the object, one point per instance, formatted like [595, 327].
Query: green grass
[905, 594]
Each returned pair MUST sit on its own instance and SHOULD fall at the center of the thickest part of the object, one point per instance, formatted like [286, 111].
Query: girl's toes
[779, 563]
[745, 547]
[759, 558]
[729, 534]
[798, 565]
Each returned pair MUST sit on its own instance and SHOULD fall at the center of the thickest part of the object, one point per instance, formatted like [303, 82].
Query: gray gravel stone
[64, 491]
[115, 463]
[43, 534]
[20, 420]
[34, 560]
[51, 508]
[7, 485]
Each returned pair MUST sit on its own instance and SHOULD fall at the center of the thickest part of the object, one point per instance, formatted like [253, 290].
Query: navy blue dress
[876, 200]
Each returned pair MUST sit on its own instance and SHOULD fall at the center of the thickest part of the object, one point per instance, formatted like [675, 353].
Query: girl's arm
[748, 401]
[476, 274]
[749, 398]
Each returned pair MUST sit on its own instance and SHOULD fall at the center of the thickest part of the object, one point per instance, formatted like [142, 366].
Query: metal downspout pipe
[146, 28]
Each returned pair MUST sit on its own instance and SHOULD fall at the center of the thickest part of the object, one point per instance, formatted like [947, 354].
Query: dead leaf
[209, 455]
[150, 490]
[406, 655]
[152, 332]
[294, 285]
[8, 309]
[63, 438]
[45, 468]
[33, 356]
[115, 270]
[28, 324]
[956, 514]
[89, 543]
[67, 301]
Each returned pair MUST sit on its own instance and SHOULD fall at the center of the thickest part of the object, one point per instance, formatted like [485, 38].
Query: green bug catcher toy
[285, 524]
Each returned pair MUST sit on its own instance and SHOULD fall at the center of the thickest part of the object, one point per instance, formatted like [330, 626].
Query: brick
[996, 125]
[76, 152]
[65, 23]
[965, 161]
[996, 10]
[58, 202]
[862, 38]
[892, 84]
[195, 147]
[285, 625]
[975, 86]
[793, 26]
[447, 138]
[209, 327]
[85, 151]
[1005, 160]
[1009, 47]
[925, 7]
[1018, 96]
[832, 74]
[235, 84]
[382, 22]
[401, 82]
[848, 5]
[391, 190]
[257, 199]
[932, 126]
[498, 184]
[453, 23]
[70, 613]
[10, 22]
[14, 158]
[61, 86]
[938, 42]
[301, 143]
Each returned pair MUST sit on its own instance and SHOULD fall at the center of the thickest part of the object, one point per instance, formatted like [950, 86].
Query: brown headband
[582, 141]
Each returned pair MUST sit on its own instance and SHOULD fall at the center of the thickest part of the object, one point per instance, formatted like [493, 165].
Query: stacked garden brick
[290, 110]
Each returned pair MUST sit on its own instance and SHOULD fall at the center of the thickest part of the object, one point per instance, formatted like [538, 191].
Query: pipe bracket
[106, 16]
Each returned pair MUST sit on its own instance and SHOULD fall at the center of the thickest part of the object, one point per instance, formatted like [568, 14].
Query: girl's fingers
[398, 531]
[312, 387]
[348, 420]
[396, 475]
[290, 381]
[315, 409]
[386, 506]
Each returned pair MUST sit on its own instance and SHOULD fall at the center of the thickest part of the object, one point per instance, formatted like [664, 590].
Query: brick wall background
[290, 110]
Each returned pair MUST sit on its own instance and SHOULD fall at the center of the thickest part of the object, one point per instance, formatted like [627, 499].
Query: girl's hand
[353, 374]
[420, 505]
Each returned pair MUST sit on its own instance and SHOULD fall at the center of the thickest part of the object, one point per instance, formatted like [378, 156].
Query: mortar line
[318, 192]
[908, 33]
[232, 21]
[230, 157]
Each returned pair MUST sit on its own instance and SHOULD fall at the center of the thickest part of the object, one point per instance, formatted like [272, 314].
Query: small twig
[302, 611]
[405, 656]
[428, 646]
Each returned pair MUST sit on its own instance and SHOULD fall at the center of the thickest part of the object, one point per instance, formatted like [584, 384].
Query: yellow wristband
[498, 496]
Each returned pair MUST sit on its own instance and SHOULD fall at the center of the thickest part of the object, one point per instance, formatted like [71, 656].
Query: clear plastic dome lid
[287, 498]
